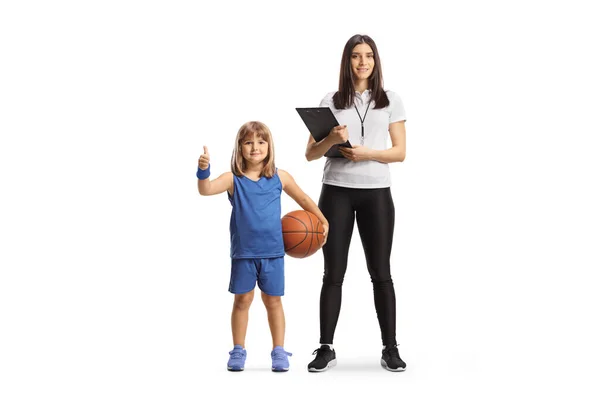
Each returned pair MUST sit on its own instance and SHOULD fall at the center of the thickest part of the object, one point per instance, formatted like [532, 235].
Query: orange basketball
[302, 233]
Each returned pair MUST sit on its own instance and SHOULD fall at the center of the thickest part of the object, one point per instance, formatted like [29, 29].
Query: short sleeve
[396, 108]
[327, 100]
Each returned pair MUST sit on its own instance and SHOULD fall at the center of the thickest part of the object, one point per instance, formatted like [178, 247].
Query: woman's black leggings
[374, 209]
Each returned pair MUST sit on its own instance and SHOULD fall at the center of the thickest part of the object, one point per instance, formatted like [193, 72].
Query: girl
[254, 189]
[357, 185]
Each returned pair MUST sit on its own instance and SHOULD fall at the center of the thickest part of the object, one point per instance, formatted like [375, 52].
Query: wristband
[203, 173]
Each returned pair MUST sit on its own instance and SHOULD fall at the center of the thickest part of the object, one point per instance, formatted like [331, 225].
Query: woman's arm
[396, 153]
[293, 190]
[315, 150]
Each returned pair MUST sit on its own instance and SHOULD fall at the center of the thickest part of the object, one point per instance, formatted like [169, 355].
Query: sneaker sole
[235, 369]
[280, 369]
[330, 364]
[384, 365]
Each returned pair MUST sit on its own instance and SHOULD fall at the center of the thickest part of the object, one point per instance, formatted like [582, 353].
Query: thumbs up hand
[204, 159]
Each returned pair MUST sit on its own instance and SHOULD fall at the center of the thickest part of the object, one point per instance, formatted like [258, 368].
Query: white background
[114, 271]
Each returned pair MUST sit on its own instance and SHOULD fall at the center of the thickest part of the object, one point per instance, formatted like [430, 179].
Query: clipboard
[320, 121]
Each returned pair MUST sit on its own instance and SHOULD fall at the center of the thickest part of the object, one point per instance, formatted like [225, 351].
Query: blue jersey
[255, 225]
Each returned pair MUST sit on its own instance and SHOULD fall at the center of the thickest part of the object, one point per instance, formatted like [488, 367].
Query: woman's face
[362, 61]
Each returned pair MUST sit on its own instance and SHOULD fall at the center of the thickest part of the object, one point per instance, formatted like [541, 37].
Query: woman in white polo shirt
[358, 184]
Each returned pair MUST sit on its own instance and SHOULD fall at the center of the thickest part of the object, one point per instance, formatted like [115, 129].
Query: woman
[358, 183]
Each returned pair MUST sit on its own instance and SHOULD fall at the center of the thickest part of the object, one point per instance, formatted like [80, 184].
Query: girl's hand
[356, 153]
[204, 159]
[339, 134]
[325, 233]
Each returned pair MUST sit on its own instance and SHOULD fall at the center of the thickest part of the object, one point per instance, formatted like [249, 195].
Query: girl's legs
[279, 356]
[375, 216]
[239, 317]
[336, 204]
[276, 318]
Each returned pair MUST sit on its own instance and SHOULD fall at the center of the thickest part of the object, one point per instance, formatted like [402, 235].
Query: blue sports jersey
[255, 225]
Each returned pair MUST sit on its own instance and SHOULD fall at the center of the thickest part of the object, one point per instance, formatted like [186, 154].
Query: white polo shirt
[363, 174]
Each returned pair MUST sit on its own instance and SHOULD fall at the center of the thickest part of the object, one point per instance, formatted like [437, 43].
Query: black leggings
[375, 214]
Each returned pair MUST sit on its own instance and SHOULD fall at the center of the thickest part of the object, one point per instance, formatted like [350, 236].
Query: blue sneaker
[237, 358]
[280, 359]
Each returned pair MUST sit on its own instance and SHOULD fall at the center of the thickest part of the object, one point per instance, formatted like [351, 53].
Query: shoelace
[319, 352]
[393, 351]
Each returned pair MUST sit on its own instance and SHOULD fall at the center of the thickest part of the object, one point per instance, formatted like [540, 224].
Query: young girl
[254, 189]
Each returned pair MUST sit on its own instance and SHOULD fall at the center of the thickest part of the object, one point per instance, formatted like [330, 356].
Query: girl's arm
[396, 153]
[224, 182]
[206, 187]
[293, 190]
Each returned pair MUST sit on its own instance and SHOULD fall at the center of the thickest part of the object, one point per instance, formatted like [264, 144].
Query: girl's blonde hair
[238, 164]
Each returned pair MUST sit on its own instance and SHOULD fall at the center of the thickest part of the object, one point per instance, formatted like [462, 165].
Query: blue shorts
[268, 272]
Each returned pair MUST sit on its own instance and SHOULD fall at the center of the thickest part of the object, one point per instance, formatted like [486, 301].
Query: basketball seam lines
[305, 236]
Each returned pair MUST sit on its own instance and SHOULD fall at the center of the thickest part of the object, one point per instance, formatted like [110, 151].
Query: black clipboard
[320, 121]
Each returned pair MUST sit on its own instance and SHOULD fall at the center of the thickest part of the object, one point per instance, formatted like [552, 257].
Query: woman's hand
[204, 159]
[339, 134]
[357, 153]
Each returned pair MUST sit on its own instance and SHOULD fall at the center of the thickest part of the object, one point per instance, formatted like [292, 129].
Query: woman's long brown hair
[344, 97]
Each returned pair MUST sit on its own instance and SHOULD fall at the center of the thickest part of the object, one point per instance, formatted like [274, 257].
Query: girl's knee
[243, 301]
[271, 301]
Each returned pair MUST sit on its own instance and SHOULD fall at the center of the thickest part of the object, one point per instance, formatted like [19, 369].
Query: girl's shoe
[280, 359]
[237, 358]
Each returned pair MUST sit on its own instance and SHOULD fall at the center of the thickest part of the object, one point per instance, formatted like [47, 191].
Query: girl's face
[254, 149]
[362, 61]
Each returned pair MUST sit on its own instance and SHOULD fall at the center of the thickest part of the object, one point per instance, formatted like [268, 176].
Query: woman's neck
[361, 85]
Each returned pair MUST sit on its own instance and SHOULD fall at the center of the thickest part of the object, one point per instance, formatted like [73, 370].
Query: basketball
[302, 233]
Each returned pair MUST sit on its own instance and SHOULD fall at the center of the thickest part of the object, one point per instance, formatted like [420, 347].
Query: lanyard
[362, 123]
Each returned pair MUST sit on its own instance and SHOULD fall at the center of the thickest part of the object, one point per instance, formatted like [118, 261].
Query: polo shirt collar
[365, 96]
